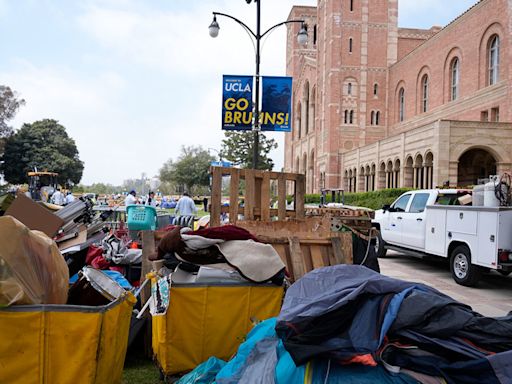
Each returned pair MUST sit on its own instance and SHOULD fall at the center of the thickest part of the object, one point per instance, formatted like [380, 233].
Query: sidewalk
[491, 297]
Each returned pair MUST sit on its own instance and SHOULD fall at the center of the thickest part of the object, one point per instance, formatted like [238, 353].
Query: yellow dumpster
[209, 320]
[60, 344]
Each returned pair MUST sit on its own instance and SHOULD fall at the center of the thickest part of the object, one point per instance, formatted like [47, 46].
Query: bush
[373, 200]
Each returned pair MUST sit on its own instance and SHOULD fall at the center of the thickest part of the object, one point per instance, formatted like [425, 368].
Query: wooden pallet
[257, 195]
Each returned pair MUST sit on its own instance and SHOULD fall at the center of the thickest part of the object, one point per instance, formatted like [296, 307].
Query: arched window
[346, 116]
[314, 34]
[349, 88]
[351, 119]
[313, 109]
[375, 89]
[351, 5]
[424, 93]
[306, 106]
[372, 118]
[494, 59]
[454, 73]
[350, 45]
[377, 117]
[299, 120]
[401, 104]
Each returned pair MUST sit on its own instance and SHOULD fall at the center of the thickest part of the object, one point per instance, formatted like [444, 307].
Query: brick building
[377, 106]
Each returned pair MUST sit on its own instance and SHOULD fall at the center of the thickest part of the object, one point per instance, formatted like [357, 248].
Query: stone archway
[475, 164]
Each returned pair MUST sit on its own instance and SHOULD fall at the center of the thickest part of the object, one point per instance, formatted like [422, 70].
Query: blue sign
[226, 164]
[237, 103]
[276, 109]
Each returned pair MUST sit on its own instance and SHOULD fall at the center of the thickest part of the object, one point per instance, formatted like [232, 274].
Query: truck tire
[463, 272]
[378, 243]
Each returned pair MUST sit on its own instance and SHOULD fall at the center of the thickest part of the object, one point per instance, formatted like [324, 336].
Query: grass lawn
[140, 370]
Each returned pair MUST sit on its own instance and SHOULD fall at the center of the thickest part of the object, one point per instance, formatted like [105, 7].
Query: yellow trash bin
[50, 344]
[209, 320]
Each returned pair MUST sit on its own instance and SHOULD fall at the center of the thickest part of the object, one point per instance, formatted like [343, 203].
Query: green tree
[237, 147]
[191, 169]
[9, 105]
[44, 145]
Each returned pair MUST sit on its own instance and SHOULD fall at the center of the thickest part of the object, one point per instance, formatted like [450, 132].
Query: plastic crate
[141, 217]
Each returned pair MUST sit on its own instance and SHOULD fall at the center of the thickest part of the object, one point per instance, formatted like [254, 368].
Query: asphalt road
[491, 297]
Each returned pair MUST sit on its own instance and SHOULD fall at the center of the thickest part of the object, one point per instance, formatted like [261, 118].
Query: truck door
[413, 222]
[392, 228]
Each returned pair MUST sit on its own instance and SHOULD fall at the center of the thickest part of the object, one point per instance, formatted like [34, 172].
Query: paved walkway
[491, 297]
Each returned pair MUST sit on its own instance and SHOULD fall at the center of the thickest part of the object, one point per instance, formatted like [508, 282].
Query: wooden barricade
[257, 196]
[304, 245]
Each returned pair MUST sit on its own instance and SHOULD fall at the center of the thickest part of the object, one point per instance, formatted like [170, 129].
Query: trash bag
[204, 373]
[32, 270]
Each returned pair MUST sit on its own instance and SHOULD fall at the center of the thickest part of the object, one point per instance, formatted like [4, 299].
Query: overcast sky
[132, 81]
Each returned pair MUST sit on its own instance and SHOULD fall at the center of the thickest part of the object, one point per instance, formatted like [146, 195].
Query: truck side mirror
[386, 207]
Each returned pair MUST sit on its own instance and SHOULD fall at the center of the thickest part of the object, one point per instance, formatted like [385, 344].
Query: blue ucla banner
[237, 102]
[276, 109]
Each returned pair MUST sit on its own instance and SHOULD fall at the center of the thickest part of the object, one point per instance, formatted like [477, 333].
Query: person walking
[185, 206]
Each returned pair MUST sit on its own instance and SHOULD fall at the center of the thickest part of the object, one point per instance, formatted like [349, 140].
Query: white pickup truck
[430, 222]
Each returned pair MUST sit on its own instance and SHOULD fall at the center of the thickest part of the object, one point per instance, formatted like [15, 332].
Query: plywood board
[34, 216]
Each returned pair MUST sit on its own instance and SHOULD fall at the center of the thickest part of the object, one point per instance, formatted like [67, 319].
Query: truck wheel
[378, 243]
[463, 272]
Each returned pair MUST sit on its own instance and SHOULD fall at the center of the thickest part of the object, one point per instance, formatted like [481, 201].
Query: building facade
[377, 106]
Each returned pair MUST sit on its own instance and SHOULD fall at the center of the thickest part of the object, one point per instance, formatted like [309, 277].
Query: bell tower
[357, 44]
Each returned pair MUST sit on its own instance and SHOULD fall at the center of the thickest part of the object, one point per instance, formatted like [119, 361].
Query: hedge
[373, 200]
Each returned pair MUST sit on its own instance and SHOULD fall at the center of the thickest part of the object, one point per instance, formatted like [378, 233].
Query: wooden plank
[297, 258]
[233, 195]
[216, 196]
[346, 247]
[306, 257]
[257, 195]
[281, 197]
[339, 255]
[300, 190]
[265, 197]
[325, 255]
[317, 257]
[249, 194]
[289, 263]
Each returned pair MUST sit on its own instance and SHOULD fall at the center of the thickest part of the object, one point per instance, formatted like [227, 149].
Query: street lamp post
[302, 38]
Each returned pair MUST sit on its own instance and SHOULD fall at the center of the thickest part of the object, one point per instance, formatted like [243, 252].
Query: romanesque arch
[408, 172]
[418, 172]
[494, 29]
[361, 180]
[429, 170]
[382, 176]
[311, 172]
[455, 55]
[306, 107]
[475, 164]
